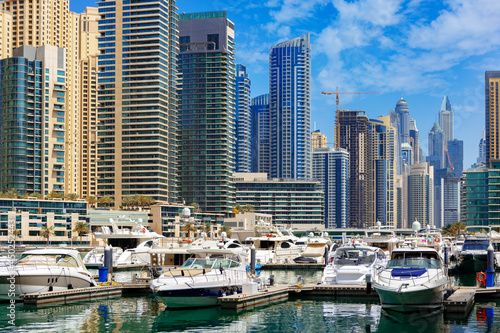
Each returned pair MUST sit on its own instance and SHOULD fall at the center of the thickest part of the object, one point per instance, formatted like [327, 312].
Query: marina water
[146, 314]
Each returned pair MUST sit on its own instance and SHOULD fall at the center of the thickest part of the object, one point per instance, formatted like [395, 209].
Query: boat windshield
[414, 260]
[209, 263]
[61, 260]
[354, 257]
[476, 244]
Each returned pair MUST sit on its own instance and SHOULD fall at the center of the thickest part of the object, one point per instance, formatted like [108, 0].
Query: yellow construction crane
[337, 93]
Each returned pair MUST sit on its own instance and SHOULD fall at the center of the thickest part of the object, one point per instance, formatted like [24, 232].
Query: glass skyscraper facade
[290, 108]
[137, 110]
[243, 121]
[207, 133]
[32, 120]
[261, 132]
[331, 169]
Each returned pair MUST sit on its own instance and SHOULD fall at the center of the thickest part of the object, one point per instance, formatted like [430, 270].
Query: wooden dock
[460, 301]
[242, 301]
[72, 295]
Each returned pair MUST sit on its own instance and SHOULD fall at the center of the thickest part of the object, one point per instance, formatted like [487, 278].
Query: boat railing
[427, 276]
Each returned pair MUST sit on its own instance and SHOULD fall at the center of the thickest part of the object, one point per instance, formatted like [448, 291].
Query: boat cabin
[415, 258]
[357, 256]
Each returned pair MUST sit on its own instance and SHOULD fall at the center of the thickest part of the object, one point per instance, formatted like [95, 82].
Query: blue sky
[423, 49]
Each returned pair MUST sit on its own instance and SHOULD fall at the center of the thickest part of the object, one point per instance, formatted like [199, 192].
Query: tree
[91, 200]
[47, 232]
[128, 201]
[226, 229]
[81, 228]
[54, 195]
[190, 229]
[35, 195]
[196, 207]
[248, 208]
[16, 233]
[72, 196]
[12, 194]
[105, 201]
[454, 229]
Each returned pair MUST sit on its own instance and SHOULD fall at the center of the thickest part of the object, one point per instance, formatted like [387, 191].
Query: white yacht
[315, 249]
[350, 264]
[384, 239]
[45, 270]
[414, 279]
[95, 258]
[199, 282]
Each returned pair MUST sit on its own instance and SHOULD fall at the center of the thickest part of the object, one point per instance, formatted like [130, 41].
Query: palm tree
[16, 233]
[12, 194]
[128, 201]
[72, 196]
[105, 200]
[190, 229]
[54, 194]
[81, 228]
[248, 208]
[47, 232]
[196, 207]
[91, 200]
[226, 229]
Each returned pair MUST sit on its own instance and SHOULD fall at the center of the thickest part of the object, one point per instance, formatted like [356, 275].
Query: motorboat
[414, 279]
[315, 250]
[474, 255]
[44, 270]
[384, 239]
[138, 256]
[95, 257]
[271, 245]
[456, 248]
[200, 281]
[350, 264]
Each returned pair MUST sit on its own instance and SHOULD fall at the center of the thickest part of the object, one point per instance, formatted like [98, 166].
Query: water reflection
[415, 322]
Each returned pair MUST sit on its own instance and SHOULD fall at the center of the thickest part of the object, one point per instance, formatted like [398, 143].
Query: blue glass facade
[243, 118]
[456, 155]
[290, 107]
[261, 132]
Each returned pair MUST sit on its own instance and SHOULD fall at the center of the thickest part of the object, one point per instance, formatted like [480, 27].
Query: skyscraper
[331, 169]
[436, 147]
[382, 171]
[290, 107]
[318, 140]
[207, 131]
[49, 22]
[243, 121]
[137, 110]
[446, 120]
[32, 130]
[6, 36]
[456, 156]
[261, 133]
[403, 112]
[421, 194]
[352, 129]
[414, 141]
[492, 116]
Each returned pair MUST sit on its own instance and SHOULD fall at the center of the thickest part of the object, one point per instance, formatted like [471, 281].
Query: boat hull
[194, 298]
[414, 300]
[472, 263]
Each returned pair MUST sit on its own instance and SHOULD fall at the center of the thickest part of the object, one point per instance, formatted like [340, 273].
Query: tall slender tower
[207, 131]
[414, 141]
[352, 127]
[403, 112]
[382, 172]
[243, 121]
[421, 194]
[32, 132]
[49, 22]
[137, 109]
[290, 107]
[261, 132]
[446, 119]
[6, 35]
[436, 147]
[492, 115]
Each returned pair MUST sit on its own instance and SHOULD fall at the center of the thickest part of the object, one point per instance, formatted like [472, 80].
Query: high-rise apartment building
[382, 199]
[290, 107]
[456, 157]
[446, 119]
[403, 112]
[414, 141]
[331, 169]
[261, 134]
[492, 116]
[436, 147]
[395, 122]
[243, 121]
[33, 126]
[49, 22]
[87, 134]
[137, 107]
[352, 129]
[318, 140]
[421, 194]
[207, 133]
[6, 35]
[451, 201]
